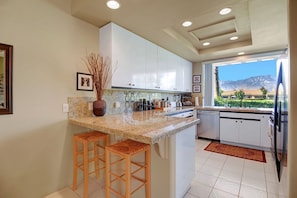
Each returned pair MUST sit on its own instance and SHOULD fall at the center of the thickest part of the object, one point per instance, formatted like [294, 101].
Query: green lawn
[256, 103]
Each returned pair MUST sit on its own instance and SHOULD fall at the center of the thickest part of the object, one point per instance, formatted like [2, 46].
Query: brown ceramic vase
[99, 107]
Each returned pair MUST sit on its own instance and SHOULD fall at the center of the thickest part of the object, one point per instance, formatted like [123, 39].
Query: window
[248, 82]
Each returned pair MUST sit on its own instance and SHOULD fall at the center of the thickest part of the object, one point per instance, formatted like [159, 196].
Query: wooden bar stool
[90, 147]
[125, 152]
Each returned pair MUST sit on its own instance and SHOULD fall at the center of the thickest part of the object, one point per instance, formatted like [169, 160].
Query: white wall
[36, 141]
[292, 160]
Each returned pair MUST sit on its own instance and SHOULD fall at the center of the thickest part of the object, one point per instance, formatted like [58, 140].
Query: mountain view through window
[249, 84]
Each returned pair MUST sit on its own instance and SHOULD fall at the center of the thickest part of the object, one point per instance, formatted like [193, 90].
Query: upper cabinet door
[137, 62]
[162, 81]
[121, 57]
[151, 66]
[172, 68]
[187, 78]
[127, 52]
[180, 72]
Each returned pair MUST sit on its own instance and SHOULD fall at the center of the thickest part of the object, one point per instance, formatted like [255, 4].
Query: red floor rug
[236, 151]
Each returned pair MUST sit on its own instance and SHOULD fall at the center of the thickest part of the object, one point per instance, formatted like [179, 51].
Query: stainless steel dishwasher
[209, 126]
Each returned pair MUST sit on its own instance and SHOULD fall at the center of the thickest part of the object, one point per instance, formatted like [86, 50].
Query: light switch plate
[65, 108]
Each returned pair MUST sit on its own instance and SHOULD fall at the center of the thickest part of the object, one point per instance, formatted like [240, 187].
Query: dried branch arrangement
[101, 70]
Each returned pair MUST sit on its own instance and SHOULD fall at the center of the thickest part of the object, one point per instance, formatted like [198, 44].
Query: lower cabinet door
[250, 132]
[229, 130]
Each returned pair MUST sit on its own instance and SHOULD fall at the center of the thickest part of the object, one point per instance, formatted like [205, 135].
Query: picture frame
[196, 78]
[84, 82]
[196, 88]
[6, 53]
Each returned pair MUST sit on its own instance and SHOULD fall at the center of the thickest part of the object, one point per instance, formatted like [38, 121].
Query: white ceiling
[260, 24]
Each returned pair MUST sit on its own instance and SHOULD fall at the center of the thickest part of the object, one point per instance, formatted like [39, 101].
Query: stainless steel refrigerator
[279, 120]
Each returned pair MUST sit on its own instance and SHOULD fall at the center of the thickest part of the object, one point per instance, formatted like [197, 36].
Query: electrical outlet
[65, 108]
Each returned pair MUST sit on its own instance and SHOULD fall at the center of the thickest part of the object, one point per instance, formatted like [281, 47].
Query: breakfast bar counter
[172, 141]
[144, 126]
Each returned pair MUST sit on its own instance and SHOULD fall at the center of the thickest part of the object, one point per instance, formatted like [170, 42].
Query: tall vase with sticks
[101, 71]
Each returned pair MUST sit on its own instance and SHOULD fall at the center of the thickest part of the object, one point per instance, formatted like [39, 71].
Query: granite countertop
[236, 109]
[144, 126]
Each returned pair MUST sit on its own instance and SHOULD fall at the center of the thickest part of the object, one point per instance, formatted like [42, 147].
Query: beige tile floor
[217, 176]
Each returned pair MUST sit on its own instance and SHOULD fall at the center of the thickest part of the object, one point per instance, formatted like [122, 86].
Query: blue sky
[246, 70]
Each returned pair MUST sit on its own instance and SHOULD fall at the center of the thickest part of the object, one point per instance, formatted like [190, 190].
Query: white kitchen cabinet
[172, 72]
[249, 132]
[151, 65]
[138, 63]
[127, 53]
[229, 130]
[156, 67]
[187, 75]
[240, 128]
[183, 158]
[162, 81]
[265, 140]
[180, 74]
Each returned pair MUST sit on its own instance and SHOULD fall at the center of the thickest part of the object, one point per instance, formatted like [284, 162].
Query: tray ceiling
[261, 25]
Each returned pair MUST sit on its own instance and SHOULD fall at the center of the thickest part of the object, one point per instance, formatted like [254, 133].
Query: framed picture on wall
[6, 58]
[196, 78]
[84, 82]
[196, 88]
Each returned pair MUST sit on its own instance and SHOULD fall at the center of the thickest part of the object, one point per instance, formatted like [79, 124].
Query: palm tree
[264, 92]
[217, 81]
[240, 95]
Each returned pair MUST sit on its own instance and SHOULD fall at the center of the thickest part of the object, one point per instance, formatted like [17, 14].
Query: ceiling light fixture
[240, 53]
[206, 43]
[233, 38]
[113, 4]
[225, 11]
[187, 23]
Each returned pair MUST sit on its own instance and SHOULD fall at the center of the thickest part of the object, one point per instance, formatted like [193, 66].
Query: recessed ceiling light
[234, 38]
[240, 53]
[206, 43]
[225, 11]
[113, 4]
[187, 23]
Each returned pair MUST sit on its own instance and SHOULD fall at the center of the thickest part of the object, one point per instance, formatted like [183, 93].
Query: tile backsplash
[79, 106]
